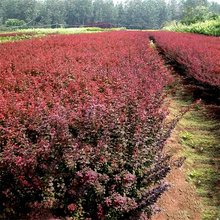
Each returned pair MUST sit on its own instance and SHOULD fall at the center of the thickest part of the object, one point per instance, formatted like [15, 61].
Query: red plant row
[199, 54]
[81, 126]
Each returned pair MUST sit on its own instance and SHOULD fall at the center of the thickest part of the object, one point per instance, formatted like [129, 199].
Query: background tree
[134, 14]
[194, 10]
[174, 10]
[120, 15]
[109, 11]
[52, 13]
[83, 11]
[1, 13]
[214, 7]
[22, 10]
[141, 14]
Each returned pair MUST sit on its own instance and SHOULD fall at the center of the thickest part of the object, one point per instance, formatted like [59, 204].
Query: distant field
[68, 30]
[39, 32]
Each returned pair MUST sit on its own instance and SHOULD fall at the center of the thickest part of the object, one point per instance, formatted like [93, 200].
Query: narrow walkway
[195, 146]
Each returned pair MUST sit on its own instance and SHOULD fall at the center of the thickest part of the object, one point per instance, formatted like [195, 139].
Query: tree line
[131, 14]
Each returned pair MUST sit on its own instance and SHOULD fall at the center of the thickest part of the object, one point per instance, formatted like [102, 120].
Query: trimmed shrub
[208, 27]
[81, 127]
[197, 53]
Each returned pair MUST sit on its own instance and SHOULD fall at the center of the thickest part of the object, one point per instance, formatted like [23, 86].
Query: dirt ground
[181, 201]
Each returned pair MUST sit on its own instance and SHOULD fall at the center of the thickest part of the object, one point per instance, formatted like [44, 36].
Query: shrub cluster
[197, 53]
[14, 22]
[81, 126]
[208, 27]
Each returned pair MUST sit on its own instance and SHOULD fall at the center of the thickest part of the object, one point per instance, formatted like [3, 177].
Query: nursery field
[22, 34]
[85, 121]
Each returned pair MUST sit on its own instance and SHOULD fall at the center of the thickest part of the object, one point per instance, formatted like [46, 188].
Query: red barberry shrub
[81, 126]
[199, 54]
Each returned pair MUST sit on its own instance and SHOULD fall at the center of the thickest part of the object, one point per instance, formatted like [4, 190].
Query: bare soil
[193, 198]
[181, 202]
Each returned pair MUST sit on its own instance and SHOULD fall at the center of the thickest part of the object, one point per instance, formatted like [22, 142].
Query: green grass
[209, 27]
[40, 32]
[66, 30]
[198, 133]
[17, 38]
[200, 138]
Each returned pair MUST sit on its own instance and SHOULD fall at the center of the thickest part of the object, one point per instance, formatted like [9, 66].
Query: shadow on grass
[200, 138]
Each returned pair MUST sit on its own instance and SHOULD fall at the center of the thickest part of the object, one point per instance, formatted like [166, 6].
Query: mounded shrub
[81, 127]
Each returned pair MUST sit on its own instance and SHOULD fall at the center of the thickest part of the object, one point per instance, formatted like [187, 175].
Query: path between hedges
[195, 149]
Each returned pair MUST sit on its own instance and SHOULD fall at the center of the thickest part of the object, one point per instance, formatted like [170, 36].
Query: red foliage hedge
[81, 126]
[199, 54]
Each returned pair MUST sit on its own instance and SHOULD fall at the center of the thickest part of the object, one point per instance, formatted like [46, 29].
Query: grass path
[195, 184]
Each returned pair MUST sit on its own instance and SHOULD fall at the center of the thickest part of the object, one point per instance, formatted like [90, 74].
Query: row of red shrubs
[199, 54]
[81, 126]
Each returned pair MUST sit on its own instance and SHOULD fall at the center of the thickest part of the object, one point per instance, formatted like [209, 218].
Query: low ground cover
[15, 36]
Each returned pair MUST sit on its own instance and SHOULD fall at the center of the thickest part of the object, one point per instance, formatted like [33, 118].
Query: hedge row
[81, 127]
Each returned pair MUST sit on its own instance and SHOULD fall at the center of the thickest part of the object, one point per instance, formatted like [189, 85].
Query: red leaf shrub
[81, 126]
[199, 54]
